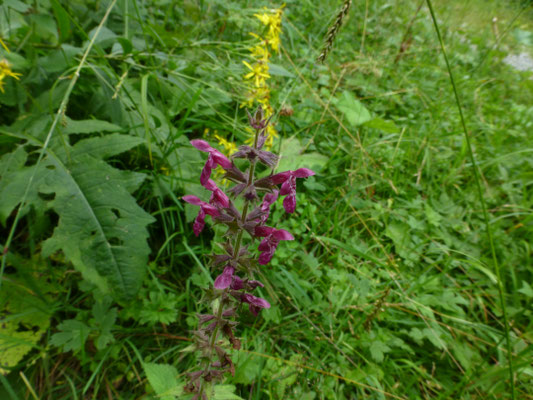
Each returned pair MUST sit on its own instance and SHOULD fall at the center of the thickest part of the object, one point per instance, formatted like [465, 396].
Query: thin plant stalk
[482, 201]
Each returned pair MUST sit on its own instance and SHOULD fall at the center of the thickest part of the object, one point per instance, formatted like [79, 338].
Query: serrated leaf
[104, 318]
[100, 225]
[72, 336]
[226, 392]
[164, 380]
[101, 229]
[378, 350]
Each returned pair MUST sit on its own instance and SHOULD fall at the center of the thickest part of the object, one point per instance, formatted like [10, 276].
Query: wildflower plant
[257, 71]
[236, 281]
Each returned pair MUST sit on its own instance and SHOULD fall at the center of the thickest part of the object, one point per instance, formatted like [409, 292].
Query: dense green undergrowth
[388, 291]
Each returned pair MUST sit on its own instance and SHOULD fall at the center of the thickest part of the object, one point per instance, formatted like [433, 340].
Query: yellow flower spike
[259, 73]
[260, 52]
[5, 70]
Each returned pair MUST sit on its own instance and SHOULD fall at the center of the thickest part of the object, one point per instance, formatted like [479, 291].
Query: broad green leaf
[100, 225]
[354, 111]
[63, 21]
[101, 229]
[294, 156]
[164, 380]
[225, 392]
[106, 146]
[526, 289]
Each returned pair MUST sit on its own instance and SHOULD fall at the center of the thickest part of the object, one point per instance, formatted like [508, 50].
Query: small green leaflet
[355, 112]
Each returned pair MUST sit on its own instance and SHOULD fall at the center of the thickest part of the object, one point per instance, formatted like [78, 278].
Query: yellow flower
[229, 147]
[259, 73]
[5, 70]
[260, 52]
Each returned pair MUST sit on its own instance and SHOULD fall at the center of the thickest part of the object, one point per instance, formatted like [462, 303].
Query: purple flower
[205, 208]
[224, 280]
[268, 200]
[215, 158]
[268, 245]
[218, 198]
[256, 303]
[288, 187]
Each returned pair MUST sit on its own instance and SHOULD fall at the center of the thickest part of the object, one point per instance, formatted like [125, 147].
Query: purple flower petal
[281, 177]
[223, 281]
[303, 173]
[265, 257]
[199, 222]
[218, 198]
[253, 284]
[263, 231]
[282, 234]
[256, 301]
[289, 203]
[221, 159]
[201, 145]
[237, 284]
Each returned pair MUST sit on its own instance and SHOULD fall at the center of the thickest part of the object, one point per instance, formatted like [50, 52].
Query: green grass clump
[389, 291]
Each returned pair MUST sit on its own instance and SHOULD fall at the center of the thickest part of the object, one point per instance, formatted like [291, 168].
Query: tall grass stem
[482, 201]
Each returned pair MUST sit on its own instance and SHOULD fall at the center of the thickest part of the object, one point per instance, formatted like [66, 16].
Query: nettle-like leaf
[101, 229]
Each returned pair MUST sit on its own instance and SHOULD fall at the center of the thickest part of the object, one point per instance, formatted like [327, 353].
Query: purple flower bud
[257, 121]
[215, 158]
[268, 245]
[256, 303]
[218, 197]
[237, 283]
[288, 187]
[205, 208]
[203, 318]
[253, 284]
[223, 281]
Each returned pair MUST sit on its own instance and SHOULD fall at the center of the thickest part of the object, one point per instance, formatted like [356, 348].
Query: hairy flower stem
[236, 250]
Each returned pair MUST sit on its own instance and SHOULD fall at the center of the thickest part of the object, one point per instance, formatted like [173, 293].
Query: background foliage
[389, 290]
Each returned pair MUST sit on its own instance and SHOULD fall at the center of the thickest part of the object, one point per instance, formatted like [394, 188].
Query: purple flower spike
[225, 279]
[256, 303]
[215, 158]
[205, 209]
[288, 187]
[218, 198]
[268, 245]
